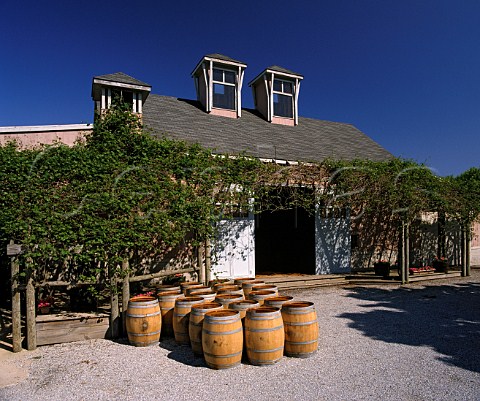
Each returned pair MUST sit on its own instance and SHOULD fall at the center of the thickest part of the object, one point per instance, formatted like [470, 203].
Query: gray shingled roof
[121, 78]
[281, 69]
[224, 58]
[310, 140]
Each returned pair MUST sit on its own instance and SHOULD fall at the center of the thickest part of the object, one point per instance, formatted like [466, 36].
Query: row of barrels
[225, 327]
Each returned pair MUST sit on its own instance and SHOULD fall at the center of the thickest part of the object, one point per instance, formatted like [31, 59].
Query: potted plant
[44, 306]
[382, 268]
[440, 264]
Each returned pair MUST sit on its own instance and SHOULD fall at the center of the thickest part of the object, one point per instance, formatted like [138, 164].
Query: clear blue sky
[406, 72]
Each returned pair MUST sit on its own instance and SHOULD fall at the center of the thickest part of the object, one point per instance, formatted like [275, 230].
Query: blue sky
[407, 73]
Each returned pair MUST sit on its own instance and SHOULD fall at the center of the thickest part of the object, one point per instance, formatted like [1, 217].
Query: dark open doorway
[285, 242]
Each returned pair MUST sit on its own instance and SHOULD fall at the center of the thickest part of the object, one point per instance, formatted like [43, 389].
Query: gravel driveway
[376, 343]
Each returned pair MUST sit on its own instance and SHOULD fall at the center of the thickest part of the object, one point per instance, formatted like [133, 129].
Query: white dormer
[275, 93]
[107, 88]
[218, 83]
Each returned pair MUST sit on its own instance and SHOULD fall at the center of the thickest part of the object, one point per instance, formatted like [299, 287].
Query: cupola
[275, 94]
[106, 89]
[218, 83]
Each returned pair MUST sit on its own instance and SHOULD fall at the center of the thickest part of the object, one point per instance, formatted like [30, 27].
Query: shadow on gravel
[182, 354]
[445, 318]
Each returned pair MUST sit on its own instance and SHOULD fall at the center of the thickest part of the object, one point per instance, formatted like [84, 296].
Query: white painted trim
[267, 71]
[285, 74]
[104, 103]
[297, 91]
[122, 85]
[134, 102]
[140, 103]
[271, 97]
[109, 98]
[216, 60]
[45, 128]
[265, 81]
[210, 86]
[239, 91]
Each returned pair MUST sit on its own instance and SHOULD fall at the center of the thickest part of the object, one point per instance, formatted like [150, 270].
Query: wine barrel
[301, 329]
[243, 306]
[230, 289]
[187, 284]
[247, 286]
[218, 286]
[226, 299]
[181, 316]
[207, 294]
[212, 283]
[260, 296]
[167, 287]
[191, 288]
[264, 335]
[195, 324]
[266, 287]
[241, 280]
[167, 299]
[222, 339]
[143, 321]
[277, 302]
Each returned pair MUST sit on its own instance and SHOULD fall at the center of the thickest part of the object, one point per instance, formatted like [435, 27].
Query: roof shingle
[121, 78]
[311, 140]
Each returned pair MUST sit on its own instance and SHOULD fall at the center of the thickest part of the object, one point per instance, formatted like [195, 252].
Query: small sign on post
[14, 249]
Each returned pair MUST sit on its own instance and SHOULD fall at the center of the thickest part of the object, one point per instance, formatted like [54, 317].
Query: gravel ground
[376, 343]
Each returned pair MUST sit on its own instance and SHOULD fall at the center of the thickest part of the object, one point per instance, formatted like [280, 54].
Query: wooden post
[463, 248]
[31, 325]
[16, 310]
[114, 312]
[201, 266]
[402, 253]
[468, 232]
[407, 253]
[208, 261]
[13, 250]
[125, 295]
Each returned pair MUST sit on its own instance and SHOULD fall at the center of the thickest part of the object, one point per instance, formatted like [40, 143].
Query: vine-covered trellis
[98, 212]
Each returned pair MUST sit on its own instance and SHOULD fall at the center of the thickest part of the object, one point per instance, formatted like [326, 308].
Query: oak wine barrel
[143, 321]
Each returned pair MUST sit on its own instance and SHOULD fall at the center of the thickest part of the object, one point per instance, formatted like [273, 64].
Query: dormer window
[108, 89]
[282, 98]
[218, 83]
[224, 92]
[275, 93]
[125, 96]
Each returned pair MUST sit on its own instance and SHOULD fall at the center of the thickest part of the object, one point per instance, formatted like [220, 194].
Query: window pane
[224, 96]
[282, 105]
[116, 96]
[127, 97]
[277, 85]
[230, 77]
[287, 87]
[217, 75]
[218, 89]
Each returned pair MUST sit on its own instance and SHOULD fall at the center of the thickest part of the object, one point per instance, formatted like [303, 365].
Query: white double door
[234, 250]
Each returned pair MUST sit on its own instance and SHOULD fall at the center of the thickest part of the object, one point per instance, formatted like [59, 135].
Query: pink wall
[34, 138]
[476, 235]
[283, 121]
[261, 101]
[224, 113]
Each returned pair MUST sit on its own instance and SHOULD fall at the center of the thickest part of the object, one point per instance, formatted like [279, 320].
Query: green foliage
[123, 194]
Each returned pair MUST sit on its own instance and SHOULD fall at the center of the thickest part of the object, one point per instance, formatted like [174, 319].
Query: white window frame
[224, 83]
[292, 85]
